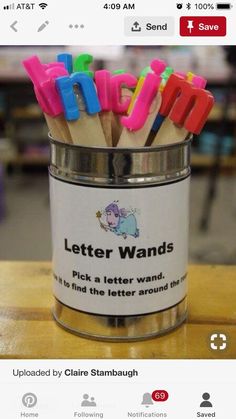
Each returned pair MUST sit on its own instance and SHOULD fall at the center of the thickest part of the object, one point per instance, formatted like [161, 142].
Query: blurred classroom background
[24, 150]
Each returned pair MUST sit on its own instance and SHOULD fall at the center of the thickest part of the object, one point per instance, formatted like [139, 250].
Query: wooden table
[27, 329]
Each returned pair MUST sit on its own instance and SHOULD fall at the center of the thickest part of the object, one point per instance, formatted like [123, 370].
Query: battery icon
[223, 6]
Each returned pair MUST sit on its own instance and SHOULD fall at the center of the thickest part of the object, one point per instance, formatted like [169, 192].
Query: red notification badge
[160, 395]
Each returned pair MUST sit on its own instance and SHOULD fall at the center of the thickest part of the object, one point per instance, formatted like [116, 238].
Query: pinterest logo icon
[160, 395]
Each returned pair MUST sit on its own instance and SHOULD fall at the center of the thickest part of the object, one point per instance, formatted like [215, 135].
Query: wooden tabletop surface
[27, 329]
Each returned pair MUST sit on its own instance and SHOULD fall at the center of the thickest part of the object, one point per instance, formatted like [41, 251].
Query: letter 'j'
[140, 112]
[65, 86]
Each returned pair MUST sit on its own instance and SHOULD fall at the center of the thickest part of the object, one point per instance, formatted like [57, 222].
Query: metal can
[120, 221]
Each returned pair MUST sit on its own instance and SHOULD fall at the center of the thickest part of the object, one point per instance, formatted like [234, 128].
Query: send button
[149, 26]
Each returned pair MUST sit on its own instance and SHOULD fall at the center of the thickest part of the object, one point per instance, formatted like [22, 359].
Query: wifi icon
[43, 5]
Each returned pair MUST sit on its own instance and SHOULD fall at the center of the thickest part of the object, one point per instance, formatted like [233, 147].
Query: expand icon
[218, 342]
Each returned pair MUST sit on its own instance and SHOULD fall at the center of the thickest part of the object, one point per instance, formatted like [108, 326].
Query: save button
[203, 26]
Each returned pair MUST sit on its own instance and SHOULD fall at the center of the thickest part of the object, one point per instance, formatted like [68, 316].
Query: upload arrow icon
[136, 27]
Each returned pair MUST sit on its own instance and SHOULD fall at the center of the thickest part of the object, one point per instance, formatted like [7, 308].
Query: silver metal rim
[127, 328]
[120, 167]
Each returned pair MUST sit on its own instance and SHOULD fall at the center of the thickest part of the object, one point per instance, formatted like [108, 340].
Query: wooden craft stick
[106, 121]
[87, 130]
[117, 128]
[139, 138]
[58, 128]
[169, 133]
[102, 80]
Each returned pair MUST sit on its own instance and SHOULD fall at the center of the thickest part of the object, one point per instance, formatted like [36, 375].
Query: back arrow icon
[13, 26]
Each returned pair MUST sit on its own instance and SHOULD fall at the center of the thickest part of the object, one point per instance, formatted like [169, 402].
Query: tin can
[120, 221]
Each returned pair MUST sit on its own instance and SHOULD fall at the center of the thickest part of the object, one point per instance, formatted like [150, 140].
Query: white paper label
[119, 251]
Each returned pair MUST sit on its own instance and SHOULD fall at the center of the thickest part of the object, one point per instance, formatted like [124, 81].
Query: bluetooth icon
[29, 400]
[188, 5]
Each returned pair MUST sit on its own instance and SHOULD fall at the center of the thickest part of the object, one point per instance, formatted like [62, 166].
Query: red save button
[203, 26]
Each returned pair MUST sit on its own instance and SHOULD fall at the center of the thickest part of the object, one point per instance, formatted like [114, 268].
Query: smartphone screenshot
[117, 209]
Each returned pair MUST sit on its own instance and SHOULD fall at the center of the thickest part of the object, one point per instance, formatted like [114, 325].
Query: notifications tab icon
[203, 26]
